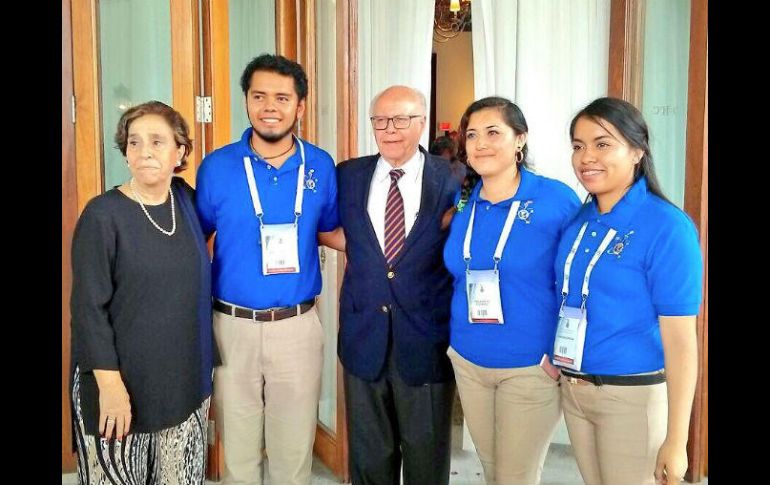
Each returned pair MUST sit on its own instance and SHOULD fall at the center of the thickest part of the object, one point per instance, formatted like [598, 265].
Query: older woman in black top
[142, 346]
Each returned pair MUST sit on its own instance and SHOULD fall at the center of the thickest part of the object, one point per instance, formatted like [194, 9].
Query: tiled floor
[560, 467]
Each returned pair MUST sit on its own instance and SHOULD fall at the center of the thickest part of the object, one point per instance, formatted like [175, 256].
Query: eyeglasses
[400, 122]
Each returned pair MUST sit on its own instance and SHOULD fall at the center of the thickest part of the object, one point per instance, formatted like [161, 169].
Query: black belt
[638, 380]
[269, 315]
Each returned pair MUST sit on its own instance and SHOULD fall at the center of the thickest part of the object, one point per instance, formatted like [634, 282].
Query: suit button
[391, 275]
[384, 309]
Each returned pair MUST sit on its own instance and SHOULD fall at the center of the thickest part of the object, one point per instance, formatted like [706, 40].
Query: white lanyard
[568, 264]
[500, 242]
[255, 194]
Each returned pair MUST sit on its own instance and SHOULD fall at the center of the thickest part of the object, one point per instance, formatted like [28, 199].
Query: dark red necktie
[395, 230]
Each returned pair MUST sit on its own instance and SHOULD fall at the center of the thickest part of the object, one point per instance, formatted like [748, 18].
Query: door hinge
[203, 109]
[72, 105]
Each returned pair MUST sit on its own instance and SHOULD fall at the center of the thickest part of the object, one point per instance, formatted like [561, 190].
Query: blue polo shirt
[652, 267]
[526, 272]
[224, 205]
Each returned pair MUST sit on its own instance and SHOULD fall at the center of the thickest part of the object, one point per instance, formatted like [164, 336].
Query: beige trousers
[615, 431]
[267, 388]
[511, 414]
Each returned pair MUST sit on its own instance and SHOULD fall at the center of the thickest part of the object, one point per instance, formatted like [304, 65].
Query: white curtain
[550, 57]
[494, 48]
[395, 40]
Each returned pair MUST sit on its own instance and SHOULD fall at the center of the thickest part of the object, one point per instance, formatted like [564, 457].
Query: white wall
[454, 79]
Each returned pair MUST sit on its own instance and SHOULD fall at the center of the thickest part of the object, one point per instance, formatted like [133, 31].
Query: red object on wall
[444, 126]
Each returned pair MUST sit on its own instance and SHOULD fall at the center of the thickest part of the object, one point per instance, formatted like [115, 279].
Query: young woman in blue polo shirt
[629, 276]
[500, 250]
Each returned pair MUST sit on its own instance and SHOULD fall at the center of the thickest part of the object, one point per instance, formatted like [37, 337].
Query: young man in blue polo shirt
[267, 197]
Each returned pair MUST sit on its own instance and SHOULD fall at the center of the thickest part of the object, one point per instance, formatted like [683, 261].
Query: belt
[597, 380]
[269, 315]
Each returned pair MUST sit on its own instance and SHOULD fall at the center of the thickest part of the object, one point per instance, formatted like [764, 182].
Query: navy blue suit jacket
[419, 295]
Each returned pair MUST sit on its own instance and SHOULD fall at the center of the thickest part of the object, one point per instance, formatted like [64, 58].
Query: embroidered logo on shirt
[525, 212]
[310, 182]
[620, 244]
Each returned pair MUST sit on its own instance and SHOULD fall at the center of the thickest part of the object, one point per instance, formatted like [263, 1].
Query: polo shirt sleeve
[93, 255]
[675, 269]
[569, 208]
[203, 205]
[330, 218]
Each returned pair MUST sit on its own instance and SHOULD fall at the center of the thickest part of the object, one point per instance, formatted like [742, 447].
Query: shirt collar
[524, 192]
[625, 208]
[411, 168]
[291, 163]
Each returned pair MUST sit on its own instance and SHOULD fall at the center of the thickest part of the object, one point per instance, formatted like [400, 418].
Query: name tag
[280, 253]
[483, 291]
[570, 338]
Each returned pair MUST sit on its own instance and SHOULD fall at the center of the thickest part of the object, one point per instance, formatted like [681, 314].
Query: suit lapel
[365, 183]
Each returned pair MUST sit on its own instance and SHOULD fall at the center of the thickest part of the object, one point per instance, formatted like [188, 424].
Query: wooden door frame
[185, 74]
[88, 133]
[624, 81]
[69, 215]
[696, 205]
[82, 174]
[347, 148]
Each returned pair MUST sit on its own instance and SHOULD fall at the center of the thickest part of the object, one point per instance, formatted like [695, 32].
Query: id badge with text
[279, 249]
[570, 338]
[483, 291]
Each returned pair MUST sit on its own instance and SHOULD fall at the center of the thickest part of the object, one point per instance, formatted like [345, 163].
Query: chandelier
[450, 18]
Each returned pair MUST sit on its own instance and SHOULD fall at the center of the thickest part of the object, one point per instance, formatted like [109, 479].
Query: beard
[272, 137]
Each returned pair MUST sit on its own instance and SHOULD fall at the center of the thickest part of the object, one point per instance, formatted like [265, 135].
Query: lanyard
[255, 194]
[500, 242]
[568, 264]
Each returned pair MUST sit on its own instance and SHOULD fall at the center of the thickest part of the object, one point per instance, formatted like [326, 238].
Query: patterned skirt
[172, 456]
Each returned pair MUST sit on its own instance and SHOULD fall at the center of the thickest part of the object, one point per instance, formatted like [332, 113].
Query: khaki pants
[267, 388]
[511, 414]
[615, 431]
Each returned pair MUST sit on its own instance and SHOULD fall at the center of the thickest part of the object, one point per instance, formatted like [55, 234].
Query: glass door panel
[664, 89]
[326, 123]
[135, 66]
[252, 32]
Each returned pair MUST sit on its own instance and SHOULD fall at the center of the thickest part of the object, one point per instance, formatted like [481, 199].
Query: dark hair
[442, 143]
[279, 65]
[630, 123]
[175, 121]
[512, 116]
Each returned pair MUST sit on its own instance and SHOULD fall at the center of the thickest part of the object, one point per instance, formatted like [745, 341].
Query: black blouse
[135, 305]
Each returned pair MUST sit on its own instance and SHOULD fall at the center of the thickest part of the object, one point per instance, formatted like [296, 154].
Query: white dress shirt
[410, 186]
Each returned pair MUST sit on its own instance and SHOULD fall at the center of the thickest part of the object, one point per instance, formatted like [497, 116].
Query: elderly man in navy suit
[395, 299]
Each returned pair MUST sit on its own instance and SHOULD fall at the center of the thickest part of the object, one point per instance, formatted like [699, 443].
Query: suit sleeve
[203, 204]
[330, 218]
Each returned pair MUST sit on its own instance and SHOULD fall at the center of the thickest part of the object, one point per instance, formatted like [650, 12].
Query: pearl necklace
[141, 203]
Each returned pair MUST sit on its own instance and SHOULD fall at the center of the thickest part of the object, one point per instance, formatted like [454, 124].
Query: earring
[178, 163]
[519, 156]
